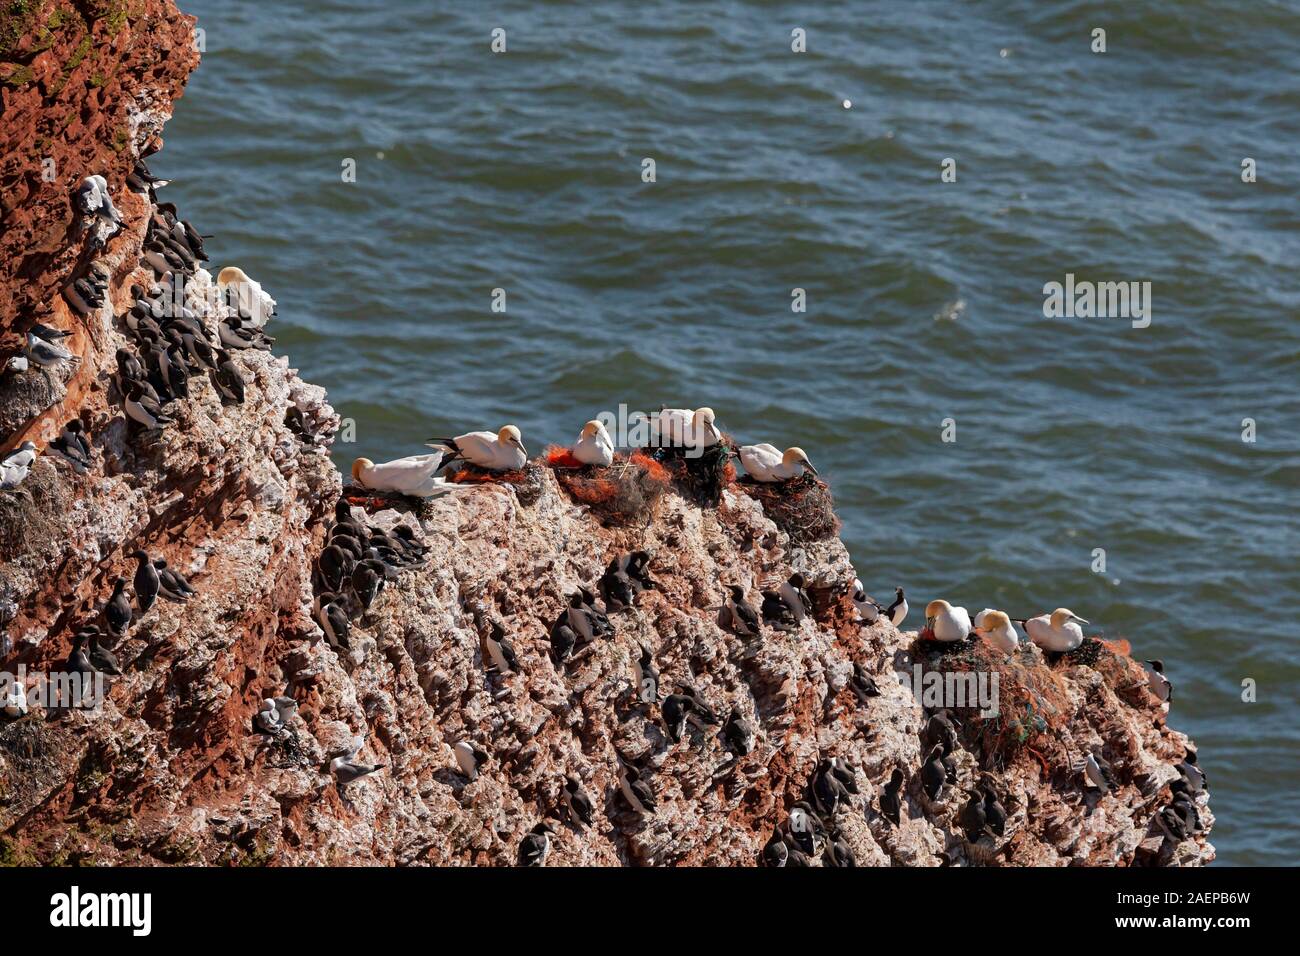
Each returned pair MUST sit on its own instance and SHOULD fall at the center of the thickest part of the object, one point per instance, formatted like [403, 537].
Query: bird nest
[627, 492]
[801, 507]
[528, 481]
[700, 476]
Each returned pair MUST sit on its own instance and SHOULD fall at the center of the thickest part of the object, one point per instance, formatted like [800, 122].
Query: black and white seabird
[777, 611]
[15, 466]
[827, 791]
[897, 612]
[47, 354]
[563, 640]
[147, 584]
[805, 829]
[345, 767]
[863, 684]
[367, 582]
[275, 713]
[844, 773]
[838, 853]
[501, 651]
[616, 586]
[891, 800]
[1157, 681]
[973, 817]
[674, 711]
[933, 772]
[637, 793]
[995, 814]
[744, 619]
[333, 620]
[92, 200]
[101, 658]
[867, 606]
[775, 851]
[1099, 772]
[117, 612]
[794, 592]
[470, 758]
[941, 728]
[49, 334]
[577, 802]
[144, 409]
[587, 622]
[1191, 772]
[700, 713]
[536, 845]
[172, 584]
[739, 733]
[71, 446]
[645, 677]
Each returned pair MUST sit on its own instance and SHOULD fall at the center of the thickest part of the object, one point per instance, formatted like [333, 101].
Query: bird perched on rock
[470, 758]
[844, 773]
[563, 640]
[744, 619]
[71, 446]
[235, 333]
[415, 476]
[933, 773]
[940, 729]
[92, 200]
[15, 466]
[739, 733]
[576, 802]
[868, 608]
[594, 446]
[47, 354]
[616, 587]
[996, 628]
[147, 583]
[995, 814]
[586, 620]
[501, 650]
[863, 684]
[636, 565]
[333, 620]
[227, 378]
[777, 612]
[145, 409]
[275, 713]
[794, 592]
[973, 817]
[1056, 631]
[503, 451]
[117, 612]
[536, 845]
[675, 709]
[764, 463]
[172, 584]
[1157, 682]
[947, 623]
[244, 294]
[1099, 772]
[682, 427]
[637, 793]
[805, 829]
[345, 766]
[890, 800]
[897, 612]
[828, 790]
[645, 677]
[1190, 770]
[838, 853]
[775, 851]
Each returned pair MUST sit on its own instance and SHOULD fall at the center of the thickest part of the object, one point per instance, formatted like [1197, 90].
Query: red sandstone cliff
[171, 771]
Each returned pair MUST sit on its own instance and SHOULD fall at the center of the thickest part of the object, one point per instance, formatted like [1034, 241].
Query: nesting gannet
[867, 606]
[577, 803]
[684, 427]
[946, 622]
[996, 628]
[503, 451]
[764, 463]
[242, 293]
[469, 757]
[1157, 681]
[93, 200]
[890, 800]
[897, 612]
[414, 476]
[345, 767]
[71, 446]
[536, 845]
[1057, 631]
[15, 466]
[46, 354]
[594, 446]
[1099, 772]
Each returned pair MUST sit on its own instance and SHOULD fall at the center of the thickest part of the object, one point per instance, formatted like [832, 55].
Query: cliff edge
[241, 498]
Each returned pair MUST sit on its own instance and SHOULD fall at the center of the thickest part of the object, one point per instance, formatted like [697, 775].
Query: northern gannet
[415, 476]
[247, 296]
[946, 622]
[503, 451]
[677, 427]
[594, 446]
[1056, 632]
[996, 628]
[764, 463]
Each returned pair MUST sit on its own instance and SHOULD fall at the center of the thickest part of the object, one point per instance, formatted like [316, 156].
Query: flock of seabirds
[173, 346]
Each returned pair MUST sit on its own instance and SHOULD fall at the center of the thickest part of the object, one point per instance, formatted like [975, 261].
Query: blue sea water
[522, 171]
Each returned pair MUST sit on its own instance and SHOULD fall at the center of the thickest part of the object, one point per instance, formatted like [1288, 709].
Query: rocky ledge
[241, 498]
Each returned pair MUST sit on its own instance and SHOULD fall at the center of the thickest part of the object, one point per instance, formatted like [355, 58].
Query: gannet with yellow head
[674, 427]
[946, 622]
[240, 292]
[1056, 631]
[594, 446]
[503, 451]
[996, 628]
[765, 463]
[414, 476]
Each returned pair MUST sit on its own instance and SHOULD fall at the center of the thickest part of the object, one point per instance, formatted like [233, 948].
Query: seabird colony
[180, 338]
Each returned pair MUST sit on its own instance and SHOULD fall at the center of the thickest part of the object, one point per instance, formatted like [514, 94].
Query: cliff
[173, 768]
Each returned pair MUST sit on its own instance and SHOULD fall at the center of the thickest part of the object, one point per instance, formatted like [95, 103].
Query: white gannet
[248, 296]
[946, 622]
[414, 476]
[1057, 631]
[996, 628]
[684, 427]
[765, 463]
[1157, 681]
[503, 451]
[15, 466]
[867, 606]
[594, 446]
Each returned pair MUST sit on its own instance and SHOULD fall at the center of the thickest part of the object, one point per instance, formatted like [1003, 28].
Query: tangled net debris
[801, 507]
[528, 481]
[627, 492]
